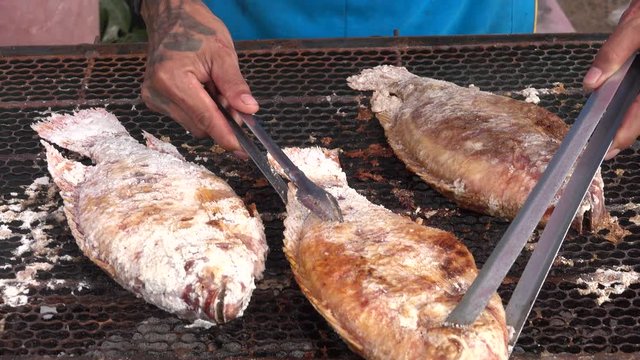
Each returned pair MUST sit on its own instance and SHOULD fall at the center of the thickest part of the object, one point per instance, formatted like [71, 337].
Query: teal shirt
[278, 19]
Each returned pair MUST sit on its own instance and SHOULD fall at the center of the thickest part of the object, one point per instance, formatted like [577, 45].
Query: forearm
[176, 23]
[152, 9]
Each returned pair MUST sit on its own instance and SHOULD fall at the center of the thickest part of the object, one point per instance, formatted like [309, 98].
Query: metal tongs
[584, 146]
[313, 197]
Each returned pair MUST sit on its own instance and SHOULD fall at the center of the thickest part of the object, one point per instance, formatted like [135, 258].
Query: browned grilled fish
[484, 151]
[168, 230]
[385, 283]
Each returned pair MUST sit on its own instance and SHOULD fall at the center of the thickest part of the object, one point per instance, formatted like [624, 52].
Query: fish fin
[81, 130]
[158, 145]
[324, 310]
[385, 118]
[346, 335]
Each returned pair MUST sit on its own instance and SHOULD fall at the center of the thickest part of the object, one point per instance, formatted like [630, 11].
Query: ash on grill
[606, 282]
[37, 211]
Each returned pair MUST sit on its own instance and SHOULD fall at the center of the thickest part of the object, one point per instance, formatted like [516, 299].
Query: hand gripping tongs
[584, 146]
[313, 197]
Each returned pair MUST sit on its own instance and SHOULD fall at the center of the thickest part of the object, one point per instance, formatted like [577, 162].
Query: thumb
[230, 84]
[622, 43]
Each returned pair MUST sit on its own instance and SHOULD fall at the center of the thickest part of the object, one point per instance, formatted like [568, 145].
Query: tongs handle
[512, 242]
[290, 169]
[547, 248]
[252, 150]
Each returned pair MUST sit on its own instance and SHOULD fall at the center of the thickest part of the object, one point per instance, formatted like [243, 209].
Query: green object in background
[117, 25]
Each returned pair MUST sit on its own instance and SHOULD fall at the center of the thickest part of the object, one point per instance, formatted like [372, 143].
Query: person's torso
[274, 19]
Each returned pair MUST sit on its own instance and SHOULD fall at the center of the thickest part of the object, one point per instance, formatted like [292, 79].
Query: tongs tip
[324, 206]
[316, 199]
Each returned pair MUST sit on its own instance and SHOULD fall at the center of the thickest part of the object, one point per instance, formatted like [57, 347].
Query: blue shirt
[277, 19]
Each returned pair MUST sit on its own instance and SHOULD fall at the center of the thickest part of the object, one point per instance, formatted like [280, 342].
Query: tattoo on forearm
[174, 27]
[185, 40]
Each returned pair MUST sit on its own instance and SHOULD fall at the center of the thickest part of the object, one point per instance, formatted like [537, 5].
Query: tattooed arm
[189, 47]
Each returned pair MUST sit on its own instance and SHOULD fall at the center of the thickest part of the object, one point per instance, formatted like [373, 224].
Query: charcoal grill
[74, 310]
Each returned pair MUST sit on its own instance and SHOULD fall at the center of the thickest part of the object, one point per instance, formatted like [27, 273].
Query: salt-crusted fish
[484, 151]
[385, 283]
[168, 230]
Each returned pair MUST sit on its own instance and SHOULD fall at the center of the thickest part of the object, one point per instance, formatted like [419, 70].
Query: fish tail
[79, 131]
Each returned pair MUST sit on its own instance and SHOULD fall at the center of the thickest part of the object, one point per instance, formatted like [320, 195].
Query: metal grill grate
[74, 309]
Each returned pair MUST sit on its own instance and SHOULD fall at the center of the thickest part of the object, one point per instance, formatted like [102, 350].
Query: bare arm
[190, 47]
[623, 42]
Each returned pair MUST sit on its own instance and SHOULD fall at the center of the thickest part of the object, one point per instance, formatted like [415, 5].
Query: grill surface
[74, 309]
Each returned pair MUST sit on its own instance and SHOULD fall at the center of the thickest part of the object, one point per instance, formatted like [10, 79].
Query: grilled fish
[385, 283]
[167, 230]
[484, 151]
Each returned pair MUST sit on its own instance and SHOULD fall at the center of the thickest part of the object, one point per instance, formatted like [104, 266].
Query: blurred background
[583, 16]
[65, 22]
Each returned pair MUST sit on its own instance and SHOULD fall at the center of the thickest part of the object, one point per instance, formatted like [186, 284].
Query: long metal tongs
[586, 142]
[313, 197]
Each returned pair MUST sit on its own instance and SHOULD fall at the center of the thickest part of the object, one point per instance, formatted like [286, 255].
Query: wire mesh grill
[71, 308]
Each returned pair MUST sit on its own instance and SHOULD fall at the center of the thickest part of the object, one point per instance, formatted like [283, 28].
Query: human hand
[190, 47]
[622, 43]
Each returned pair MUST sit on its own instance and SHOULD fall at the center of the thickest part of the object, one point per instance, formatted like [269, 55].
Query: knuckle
[161, 77]
[202, 120]
[155, 100]
[609, 55]
[156, 108]
[149, 100]
[633, 22]
[223, 48]
[235, 87]
[198, 134]
[145, 94]
[627, 140]
[632, 13]
[160, 72]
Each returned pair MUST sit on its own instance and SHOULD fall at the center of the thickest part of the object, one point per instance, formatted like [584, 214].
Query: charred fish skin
[484, 151]
[385, 283]
[168, 230]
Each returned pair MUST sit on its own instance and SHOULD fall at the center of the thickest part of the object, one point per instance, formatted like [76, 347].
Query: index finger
[194, 100]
